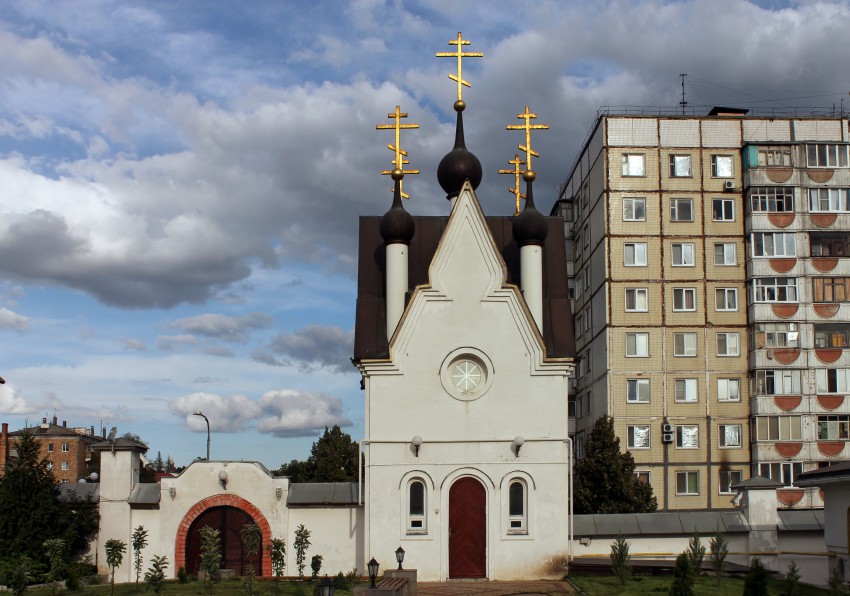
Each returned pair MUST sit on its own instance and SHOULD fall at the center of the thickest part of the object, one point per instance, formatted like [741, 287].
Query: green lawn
[599, 585]
[223, 588]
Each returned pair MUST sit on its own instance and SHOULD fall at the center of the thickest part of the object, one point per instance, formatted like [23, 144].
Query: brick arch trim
[223, 500]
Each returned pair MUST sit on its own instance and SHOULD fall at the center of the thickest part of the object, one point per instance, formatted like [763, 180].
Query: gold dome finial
[460, 55]
[399, 161]
[517, 162]
[529, 174]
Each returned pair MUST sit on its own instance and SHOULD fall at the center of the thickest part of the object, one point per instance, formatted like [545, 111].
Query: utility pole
[683, 103]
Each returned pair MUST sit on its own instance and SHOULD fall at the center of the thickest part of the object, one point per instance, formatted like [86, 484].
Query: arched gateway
[227, 513]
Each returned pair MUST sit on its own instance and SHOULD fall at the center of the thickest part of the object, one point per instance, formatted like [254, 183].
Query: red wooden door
[467, 529]
[228, 521]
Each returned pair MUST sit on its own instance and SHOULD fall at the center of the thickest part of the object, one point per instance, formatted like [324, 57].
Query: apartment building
[67, 450]
[705, 261]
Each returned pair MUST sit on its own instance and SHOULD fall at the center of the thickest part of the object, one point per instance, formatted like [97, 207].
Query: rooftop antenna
[683, 103]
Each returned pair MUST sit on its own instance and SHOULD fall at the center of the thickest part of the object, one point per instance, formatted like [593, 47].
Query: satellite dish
[112, 434]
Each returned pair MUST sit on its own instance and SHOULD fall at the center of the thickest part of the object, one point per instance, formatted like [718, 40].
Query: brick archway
[221, 501]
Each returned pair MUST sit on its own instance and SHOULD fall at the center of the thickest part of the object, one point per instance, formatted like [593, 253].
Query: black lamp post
[326, 587]
[373, 572]
[399, 556]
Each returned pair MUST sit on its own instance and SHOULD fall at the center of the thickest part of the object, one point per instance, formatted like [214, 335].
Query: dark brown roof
[54, 430]
[370, 327]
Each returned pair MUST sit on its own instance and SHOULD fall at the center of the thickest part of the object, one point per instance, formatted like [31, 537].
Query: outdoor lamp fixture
[326, 587]
[172, 492]
[90, 478]
[278, 492]
[372, 565]
[517, 444]
[399, 556]
[201, 414]
[417, 443]
[222, 478]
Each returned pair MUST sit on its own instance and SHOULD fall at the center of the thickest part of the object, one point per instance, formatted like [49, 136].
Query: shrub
[696, 553]
[155, 575]
[210, 556]
[683, 576]
[302, 543]
[620, 559]
[139, 542]
[316, 565]
[836, 584]
[115, 550]
[755, 583]
[719, 549]
[277, 552]
[182, 576]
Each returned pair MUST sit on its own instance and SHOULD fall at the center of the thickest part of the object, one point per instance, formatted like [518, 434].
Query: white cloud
[288, 413]
[12, 320]
[226, 414]
[134, 344]
[227, 328]
[12, 402]
[312, 346]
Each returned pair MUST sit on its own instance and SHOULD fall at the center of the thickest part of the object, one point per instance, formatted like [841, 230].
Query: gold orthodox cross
[460, 55]
[527, 127]
[517, 162]
[399, 161]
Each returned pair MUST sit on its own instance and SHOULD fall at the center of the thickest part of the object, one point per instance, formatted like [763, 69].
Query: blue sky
[180, 181]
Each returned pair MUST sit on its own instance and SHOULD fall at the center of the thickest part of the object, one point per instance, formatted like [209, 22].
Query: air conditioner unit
[667, 428]
[667, 438]
[729, 185]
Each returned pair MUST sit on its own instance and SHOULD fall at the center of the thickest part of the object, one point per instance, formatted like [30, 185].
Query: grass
[223, 588]
[601, 585]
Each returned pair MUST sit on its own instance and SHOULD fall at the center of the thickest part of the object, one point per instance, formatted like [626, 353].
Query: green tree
[301, 544]
[139, 542]
[696, 553]
[836, 584]
[21, 575]
[683, 576]
[155, 575]
[621, 559]
[158, 463]
[25, 523]
[115, 550]
[55, 549]
[755, 583]
[316, 566]
[135, 438]
[719, 549]
[605, 480]
[334, 457]
[277, 553]
[210, 556]
[792, 580]
[251, 539]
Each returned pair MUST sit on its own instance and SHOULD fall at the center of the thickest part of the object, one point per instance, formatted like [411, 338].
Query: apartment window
[634, 209]
[725, 299]
[587, 278]
[774, 289]
[730, 435]
[588, 359]
[579, 324]
[774, 156]
[828, 199]
[687, 436]
[784, 472]
[636, 300]
[683, 254]
[721, 166]
[637, 391]
[579, 447]
[687, 483]
[773, 244]
[684, 299]
[832, 335]
[728, 389]
[772, 199]
[778, 428]
[728, 479]
[775, 335]
[634, 254]
[829, 244]
[777, 382]
[826, 156]
[684, 344]
[638, 436]
[586, 236]
[644, 476]
[686, 390]
[65, 448]
[725, 254]
[834, 427]
[587, 319]
[65, 466]
[723, 209]
[637, 345]
[50, 447]
[831, 289]
[728, 344]
[681, 209]
[416, 507]
[633, 164]
[517, 510]
[832, 380]
[680, 166]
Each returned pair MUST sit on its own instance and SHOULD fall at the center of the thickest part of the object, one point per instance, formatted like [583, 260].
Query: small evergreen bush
[620, 559]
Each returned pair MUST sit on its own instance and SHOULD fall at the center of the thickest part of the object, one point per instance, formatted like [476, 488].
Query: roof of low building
[49, 430]
[828, 475]
[323, 493]
[119, 444]
[145, 493]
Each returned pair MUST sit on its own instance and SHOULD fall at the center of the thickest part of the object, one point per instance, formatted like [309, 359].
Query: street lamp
[326, 587]
[399, 556]
[201, 414]
[373, 572]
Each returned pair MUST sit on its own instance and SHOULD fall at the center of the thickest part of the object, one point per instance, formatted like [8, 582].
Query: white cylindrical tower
[530, 231]
[397, 230]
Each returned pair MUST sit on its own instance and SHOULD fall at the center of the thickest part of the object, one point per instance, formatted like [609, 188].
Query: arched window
[416, 497]
[517, 508]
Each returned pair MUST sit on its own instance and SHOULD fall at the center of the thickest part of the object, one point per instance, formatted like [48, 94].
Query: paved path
[493, 588]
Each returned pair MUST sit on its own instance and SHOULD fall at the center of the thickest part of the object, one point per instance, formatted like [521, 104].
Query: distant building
[67, 450]
[709, 271]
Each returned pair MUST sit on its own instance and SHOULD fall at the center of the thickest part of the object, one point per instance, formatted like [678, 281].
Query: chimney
[91, 432]
[103, 430]
[55, 420]
[65, 423]
[44, 420]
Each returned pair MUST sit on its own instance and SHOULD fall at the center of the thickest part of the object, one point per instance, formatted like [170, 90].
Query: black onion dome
[397, 225]
[459, 164]
[530, 226]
